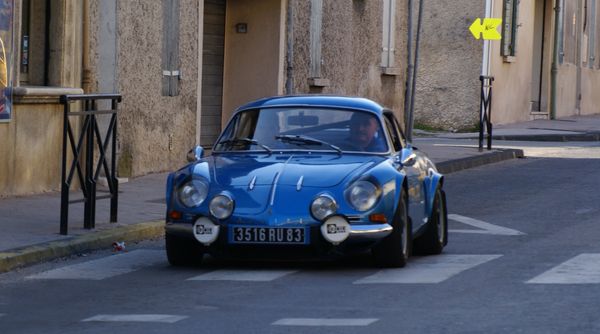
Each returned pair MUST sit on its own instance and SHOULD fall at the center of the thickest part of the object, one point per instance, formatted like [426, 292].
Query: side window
[393, 134]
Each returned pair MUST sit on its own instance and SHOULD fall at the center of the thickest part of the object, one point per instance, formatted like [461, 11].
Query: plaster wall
[31, 149]
[448, 86]
[590, 101]
[351, 44]
[566, 90]
[512, 86]
[253, 65]
[155, 131]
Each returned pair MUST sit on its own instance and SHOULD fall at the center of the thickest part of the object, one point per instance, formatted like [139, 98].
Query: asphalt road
[523, 257]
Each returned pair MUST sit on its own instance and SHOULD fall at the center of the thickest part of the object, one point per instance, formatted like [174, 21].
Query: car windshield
[314, 129]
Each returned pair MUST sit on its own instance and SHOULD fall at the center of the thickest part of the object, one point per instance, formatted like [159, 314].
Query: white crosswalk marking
[106, 267]
[242, 275]
[482, 227]
[166, 318]
[323, 322]
[582, 269]
[430, 269]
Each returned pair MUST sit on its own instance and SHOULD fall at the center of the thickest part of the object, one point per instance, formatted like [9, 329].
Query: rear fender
[431, 183]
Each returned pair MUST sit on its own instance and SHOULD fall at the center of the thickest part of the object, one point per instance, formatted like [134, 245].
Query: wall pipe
[414, 78]
[410, 66]
[289, 83]
[555, 47]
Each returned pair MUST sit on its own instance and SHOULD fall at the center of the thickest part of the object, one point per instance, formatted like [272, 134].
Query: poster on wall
[6, 50]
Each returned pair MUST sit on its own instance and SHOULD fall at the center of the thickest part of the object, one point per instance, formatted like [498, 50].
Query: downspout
[289, 83]
[85, 52]
[410, 67]
[555, 48]
[409, 128]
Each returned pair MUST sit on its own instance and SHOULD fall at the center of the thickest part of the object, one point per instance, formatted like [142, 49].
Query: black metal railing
[485, 111]
[83, 162]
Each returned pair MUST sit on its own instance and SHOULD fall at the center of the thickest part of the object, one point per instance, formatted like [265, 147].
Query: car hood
[308, 170]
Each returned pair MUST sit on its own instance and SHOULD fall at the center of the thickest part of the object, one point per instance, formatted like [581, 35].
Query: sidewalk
[30, 224]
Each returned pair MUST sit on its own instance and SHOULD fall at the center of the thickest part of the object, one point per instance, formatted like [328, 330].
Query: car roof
[324, 101]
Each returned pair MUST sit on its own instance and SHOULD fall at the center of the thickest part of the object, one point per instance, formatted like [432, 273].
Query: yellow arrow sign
[487, 29]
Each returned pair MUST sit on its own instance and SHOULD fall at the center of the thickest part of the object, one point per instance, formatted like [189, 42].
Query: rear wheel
[183, 251]
[436, 234]
[394, 250]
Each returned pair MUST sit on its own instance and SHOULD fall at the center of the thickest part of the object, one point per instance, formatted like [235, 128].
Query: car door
[415, 166]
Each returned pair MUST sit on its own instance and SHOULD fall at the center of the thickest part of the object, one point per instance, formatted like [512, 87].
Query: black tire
[395, 249]
[436, 233]
[183, 252]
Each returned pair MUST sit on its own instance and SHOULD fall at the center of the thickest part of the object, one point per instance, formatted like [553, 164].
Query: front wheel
[394, 250]
[183, 251]
[436, 233]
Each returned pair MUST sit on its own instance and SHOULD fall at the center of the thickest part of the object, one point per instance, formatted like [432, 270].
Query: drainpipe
[289, 84]
[554, 72]
[410, 67]
[85, 52]
[409, 128]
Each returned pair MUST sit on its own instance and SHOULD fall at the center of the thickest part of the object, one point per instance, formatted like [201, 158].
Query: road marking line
[166, 318]
[105, 267]
[484, 228]
[323, 322]
[242, 275]
[582, 269]
[431, 269]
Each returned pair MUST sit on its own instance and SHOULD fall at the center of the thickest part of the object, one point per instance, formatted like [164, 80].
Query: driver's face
[362, 130]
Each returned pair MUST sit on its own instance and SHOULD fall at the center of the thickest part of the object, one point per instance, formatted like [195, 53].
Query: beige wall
[31, 147]
[590, 102]
[155, 131]
[448, 86]
[254, 60]
[351, 51]
[512, 85]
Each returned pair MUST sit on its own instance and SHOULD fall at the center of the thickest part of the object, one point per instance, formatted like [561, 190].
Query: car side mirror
[195, 154]
[408, 157]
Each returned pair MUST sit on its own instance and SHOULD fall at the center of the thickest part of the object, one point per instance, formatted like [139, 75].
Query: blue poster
[6, 63]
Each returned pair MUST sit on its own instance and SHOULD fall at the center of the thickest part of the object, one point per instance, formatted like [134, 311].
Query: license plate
[268, 235]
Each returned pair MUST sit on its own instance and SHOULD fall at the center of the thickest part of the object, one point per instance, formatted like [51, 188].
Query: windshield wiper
[299, 139]
[234, 141]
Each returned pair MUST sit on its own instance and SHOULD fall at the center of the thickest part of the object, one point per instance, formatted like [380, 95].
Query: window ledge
[41, 94]
[509, 59]
[318, 82]
[391, 71]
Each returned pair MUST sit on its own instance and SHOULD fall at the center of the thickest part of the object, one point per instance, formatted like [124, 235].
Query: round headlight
[363, 195]
[323, 207]
[193, 193]
[221, 207]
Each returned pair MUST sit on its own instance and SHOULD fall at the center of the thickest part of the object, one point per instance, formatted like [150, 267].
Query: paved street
[523, 256]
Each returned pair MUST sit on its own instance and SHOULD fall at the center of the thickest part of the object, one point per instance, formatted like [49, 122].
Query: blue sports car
[307, 176]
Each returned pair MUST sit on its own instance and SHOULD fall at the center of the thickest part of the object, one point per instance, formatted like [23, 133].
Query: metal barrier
[88, 170]
[485, 111]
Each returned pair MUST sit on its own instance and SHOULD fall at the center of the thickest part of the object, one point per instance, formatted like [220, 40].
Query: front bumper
[359, 232]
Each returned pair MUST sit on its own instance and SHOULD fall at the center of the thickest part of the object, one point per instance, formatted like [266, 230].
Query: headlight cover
[323, 206]
[193, 193]
[363, 195]
[221, 206]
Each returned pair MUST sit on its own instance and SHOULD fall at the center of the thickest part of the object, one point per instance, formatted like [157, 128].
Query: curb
[452, 166]
[590, 136]
[29, 255]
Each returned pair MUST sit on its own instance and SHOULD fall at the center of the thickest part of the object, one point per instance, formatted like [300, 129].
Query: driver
[365, 134]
